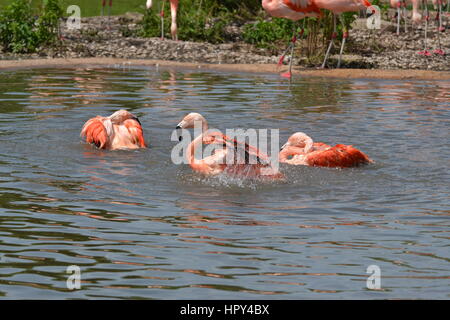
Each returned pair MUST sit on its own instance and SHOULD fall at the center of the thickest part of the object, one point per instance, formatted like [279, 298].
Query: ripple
[139, 226]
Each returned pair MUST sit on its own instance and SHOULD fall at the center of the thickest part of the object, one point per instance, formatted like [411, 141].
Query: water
[139, 226]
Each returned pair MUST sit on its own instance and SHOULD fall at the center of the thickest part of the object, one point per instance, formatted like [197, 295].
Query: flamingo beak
[284, 145]
[136, 118]
[179, 127]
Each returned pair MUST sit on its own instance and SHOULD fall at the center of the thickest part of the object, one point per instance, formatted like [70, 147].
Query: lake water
[139, 226]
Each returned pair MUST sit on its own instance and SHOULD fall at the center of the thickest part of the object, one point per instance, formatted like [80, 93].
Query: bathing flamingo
[121, 130]
[293, 10]
[338, 7]
[303, 151]
[173, 12]
[254, 163]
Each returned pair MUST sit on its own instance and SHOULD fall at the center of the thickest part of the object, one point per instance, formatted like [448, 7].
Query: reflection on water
[138, 225]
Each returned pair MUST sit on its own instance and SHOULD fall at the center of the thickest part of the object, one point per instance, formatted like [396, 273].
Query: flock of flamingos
[123, 130]
[299, 9]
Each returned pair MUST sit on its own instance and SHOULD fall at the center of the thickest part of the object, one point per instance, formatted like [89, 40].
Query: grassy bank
[91, 8]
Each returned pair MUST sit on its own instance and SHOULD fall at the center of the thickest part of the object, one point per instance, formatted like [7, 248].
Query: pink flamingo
[301, 150]
[218, 162]
[173, 12]
[121, 130]
[293, 10]
[298, 9]
[338, 7]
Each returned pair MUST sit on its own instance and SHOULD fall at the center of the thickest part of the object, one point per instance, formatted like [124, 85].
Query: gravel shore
[377, 49]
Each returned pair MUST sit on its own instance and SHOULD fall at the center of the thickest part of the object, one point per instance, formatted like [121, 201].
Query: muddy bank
[251, 68]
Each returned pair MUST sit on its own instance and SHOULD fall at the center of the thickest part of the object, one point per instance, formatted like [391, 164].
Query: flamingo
[301, 150]
[121, 130]
[218, 162]
[173, 12]
[338, 7]
[298, 9]
[293, 10]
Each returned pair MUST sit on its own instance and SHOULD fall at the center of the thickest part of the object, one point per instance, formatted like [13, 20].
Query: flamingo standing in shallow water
[219, 162]
[301, 150]
[293, 10]
[121, 130]
[173, 13]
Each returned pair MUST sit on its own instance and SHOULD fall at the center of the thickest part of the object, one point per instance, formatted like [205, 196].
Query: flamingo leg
[425, 52]
[291, 47]
[289, 74]
[333, 36]
[161, 14]
[103, 7]
[280, 61]
[344, 37]
[109, 12]
[173, 13]
[404, 16]
[440, 29]
[398, 17]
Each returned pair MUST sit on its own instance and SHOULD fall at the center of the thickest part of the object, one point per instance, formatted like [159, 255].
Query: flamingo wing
[95, 132]
[320, 146]
[243, 153]
[304, 6]
[341, 156]
[135, 130]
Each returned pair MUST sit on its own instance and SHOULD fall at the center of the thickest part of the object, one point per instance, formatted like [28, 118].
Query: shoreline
[398, 74]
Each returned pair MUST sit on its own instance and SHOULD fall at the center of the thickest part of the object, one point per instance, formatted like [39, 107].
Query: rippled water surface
[140, 226]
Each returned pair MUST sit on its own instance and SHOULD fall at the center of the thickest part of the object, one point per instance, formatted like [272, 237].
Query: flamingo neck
[289, 151]
[308, 145]
[190, 154]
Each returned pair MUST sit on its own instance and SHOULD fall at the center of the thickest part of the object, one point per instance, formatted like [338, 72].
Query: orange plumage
[121, 130]
[301, 150]
[341, 156]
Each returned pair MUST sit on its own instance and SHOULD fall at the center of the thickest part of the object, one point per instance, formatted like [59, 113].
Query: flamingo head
[299, 140]
[122, 115]
[192, 120]
[148, 4]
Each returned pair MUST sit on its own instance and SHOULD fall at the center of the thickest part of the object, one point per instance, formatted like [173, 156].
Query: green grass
[91, 8]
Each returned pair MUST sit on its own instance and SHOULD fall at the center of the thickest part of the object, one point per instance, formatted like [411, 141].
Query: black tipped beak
[136, 118]
[178, 127]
